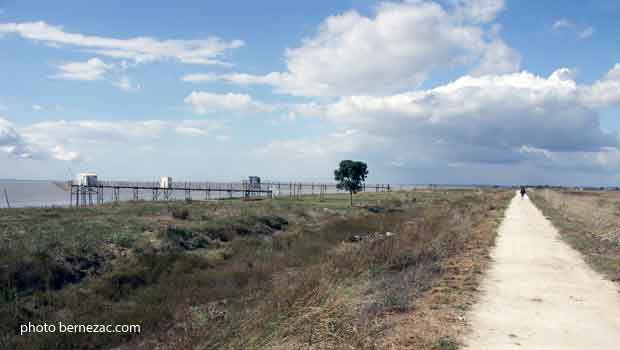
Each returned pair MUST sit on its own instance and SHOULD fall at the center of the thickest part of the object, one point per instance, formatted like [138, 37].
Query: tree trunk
[351, 195]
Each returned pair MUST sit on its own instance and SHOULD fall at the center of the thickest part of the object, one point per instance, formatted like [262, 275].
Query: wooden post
[6, 197]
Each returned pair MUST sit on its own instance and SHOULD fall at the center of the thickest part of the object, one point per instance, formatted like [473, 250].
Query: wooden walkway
[95, 195]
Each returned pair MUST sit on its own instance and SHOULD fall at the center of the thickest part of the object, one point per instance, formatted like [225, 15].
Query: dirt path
[540, 294]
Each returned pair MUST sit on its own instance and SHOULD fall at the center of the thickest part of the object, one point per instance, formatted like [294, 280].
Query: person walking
[523, 192]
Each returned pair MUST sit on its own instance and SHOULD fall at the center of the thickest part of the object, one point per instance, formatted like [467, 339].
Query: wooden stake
[6, 197]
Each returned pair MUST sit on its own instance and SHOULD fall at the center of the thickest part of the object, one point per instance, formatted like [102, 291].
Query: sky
[443, 91]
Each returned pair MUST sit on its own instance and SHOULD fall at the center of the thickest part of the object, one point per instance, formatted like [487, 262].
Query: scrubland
[397, 271]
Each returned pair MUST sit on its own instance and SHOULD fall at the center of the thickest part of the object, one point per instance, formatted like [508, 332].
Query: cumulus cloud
[207, 102]
[607, 159]
[604, 92]
[479, 11]
[507, 118]
[396, 48]
[60, 139]
[139, 49]
[93, 69]
[498, 58]
[11, 141]
[16, 144]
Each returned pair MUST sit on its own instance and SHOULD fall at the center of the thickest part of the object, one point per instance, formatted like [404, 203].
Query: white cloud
[498, 58]
[607, 159]
[197, 128]
[200, 78]
[397, 48]
[139, 49]
[479, 11]
[93, 69]
[15, 143]
[563, 74]
[37, 107]
[206, 102]
[60, 139]
[586, 33]
[274, 78]
[10, 140]
[502, 119]
[583, 33]
[604, 92]
[96, 131]
[563, 23]
[329, 146]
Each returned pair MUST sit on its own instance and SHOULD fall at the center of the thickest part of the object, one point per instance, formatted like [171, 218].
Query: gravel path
[540, 294]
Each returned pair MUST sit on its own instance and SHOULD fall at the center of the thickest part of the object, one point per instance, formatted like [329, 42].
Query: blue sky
[445, 91]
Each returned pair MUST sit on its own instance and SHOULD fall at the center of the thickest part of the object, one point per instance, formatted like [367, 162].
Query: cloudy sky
[443, 91]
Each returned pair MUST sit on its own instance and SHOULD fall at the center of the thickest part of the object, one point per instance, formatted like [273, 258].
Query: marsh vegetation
[234, 274]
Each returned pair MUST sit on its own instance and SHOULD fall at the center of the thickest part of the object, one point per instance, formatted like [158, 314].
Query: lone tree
[350, 176]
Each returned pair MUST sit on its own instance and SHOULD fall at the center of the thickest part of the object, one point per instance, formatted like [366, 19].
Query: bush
[180, 213]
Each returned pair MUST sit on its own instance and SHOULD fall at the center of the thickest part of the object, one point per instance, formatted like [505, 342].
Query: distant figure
[523, 192]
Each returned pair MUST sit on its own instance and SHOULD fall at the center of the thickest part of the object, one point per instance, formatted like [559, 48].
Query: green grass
[274, 272]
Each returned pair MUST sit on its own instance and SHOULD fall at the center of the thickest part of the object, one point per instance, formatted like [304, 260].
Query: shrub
[180, 213]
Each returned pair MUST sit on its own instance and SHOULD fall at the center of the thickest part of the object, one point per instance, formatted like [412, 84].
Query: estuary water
[32, 193]
[25, 193]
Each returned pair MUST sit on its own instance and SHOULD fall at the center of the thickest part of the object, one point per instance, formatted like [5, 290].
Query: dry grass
[589, 221]
[438, 321]
[257, 275]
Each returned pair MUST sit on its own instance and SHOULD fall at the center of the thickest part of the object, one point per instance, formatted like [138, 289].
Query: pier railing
[114, 191]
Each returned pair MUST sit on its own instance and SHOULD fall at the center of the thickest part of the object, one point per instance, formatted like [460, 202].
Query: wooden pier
[115, 191]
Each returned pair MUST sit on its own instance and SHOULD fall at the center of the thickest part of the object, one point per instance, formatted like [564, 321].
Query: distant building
[86, 179]
[165, 182]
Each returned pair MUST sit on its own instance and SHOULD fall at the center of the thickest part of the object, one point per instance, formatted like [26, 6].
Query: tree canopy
[351, 176]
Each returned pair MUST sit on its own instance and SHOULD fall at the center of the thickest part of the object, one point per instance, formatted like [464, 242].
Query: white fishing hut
[86, 179]
[165, 182]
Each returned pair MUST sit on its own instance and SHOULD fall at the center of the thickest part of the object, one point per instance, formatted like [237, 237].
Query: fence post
[6, 197]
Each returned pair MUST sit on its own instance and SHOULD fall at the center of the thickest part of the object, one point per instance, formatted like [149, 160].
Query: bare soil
[539, 292]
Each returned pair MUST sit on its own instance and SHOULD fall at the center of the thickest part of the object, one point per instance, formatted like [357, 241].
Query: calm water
[23, 193]
[47, 193]
[32, 194]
